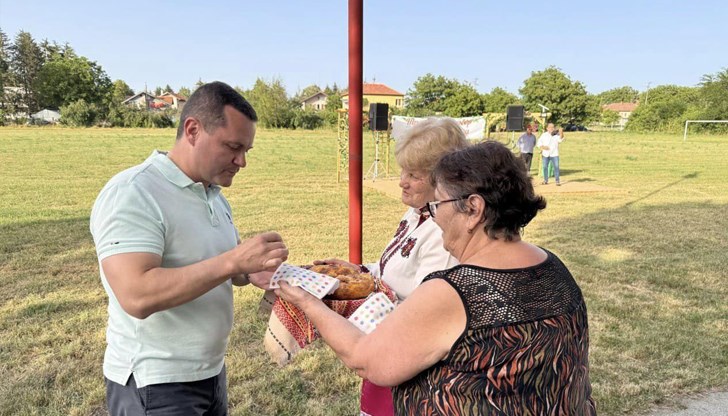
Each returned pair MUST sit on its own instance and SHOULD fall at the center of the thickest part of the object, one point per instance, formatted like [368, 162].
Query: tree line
[47, 75]
[37, 75]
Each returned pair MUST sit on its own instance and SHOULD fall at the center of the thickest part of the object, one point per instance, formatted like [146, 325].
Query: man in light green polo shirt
[169, 254]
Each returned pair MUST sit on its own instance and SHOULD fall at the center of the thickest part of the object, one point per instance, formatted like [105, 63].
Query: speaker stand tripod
[373, 171]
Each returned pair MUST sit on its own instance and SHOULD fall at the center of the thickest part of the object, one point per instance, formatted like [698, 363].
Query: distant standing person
[526, 143]
[549, 145]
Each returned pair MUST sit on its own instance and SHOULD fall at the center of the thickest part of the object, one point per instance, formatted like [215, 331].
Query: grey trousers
[204, 397]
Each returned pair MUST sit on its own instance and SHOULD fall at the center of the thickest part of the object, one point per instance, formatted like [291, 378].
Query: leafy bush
[122, 116]
[306, 119]
[79, 114]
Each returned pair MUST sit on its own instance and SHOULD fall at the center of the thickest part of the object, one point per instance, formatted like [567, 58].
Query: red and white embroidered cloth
[289, 331]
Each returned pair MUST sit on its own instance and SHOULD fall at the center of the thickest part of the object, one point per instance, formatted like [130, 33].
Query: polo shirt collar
[174, 174]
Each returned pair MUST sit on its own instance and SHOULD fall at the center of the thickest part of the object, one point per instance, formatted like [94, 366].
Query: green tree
[306, 119]
[123, 116]
[51, 50]
[428, 94]
[79, 114]
[593, 110]
[5, 79]
[330, 90]
[120, 91]
[665, 110]
[624, 94]
[610, 117]
[271, 103]
[26, 61]
[567, 100]
[333, 101]
[463, 101]
[498, 100]
[330, 113]
[670, 94]
[64, 80]
[713, 96]
[185, 92]
[307, 92]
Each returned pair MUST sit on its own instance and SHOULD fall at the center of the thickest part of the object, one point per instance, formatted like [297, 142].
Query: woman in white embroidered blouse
[416, 249]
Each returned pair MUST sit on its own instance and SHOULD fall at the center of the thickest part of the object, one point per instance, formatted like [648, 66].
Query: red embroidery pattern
[401, 228]
[408, 246]
[400, 242]
[392, 248]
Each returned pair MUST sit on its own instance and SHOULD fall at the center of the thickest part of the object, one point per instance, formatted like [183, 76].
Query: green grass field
[650, 254]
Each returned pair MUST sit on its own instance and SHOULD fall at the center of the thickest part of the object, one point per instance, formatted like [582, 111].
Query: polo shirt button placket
[213, 218]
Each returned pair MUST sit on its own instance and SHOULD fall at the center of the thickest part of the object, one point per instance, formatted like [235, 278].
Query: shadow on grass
[655, 284]
[563, 172]
[669, 185]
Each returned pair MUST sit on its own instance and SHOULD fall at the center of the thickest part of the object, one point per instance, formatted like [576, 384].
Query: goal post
[687, 123]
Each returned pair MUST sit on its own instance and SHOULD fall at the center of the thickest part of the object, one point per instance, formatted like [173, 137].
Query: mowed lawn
[650, 251]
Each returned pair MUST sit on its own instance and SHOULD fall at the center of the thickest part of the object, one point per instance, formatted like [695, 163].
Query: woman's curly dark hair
[491, 170]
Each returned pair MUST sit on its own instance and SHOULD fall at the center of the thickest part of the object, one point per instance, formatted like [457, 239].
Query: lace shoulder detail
[504, 297]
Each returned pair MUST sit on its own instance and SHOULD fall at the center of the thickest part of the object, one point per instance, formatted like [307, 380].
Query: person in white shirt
[416, 249]
[549, 145]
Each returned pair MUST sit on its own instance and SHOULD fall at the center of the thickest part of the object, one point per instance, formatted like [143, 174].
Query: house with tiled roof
[316, 101]
[175, 101]
[142, 100]
[623, 109]
[376, 93]
[146, 101]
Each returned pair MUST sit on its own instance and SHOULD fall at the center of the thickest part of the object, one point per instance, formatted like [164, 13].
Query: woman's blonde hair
[426, 142]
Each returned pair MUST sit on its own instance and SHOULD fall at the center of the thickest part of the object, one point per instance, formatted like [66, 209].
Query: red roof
[375, 89]
[620, 107]
[160, 104]
[171, 94]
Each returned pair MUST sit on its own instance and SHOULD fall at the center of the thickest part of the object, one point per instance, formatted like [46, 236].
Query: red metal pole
[355, 133]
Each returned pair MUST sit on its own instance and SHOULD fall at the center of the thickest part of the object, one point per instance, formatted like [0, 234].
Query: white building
[46, 116]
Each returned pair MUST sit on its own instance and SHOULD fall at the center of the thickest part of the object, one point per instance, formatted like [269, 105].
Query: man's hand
[263, 252]
[261, 279]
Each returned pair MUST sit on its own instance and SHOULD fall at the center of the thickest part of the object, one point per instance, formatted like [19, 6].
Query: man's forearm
[143, 287]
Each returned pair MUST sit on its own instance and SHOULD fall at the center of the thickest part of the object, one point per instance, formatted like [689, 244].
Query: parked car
[574, 127]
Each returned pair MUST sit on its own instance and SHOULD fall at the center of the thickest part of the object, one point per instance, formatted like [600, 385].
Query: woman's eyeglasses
[431, 206]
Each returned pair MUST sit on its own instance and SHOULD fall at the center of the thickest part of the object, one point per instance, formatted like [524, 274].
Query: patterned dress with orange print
[524, 352]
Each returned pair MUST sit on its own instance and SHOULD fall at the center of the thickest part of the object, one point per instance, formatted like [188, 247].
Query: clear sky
[603, 44]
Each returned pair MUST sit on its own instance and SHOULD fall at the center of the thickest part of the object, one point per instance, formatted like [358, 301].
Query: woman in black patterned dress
[503, 333]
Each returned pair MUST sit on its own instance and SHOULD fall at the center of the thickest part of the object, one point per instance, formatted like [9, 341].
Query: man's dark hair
[491, 170]
[207, 104]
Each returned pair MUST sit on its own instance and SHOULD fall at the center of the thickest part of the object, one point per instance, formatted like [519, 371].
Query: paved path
[706, 404]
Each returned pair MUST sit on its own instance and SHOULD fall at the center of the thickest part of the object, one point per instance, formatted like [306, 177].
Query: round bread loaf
[352, 284]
